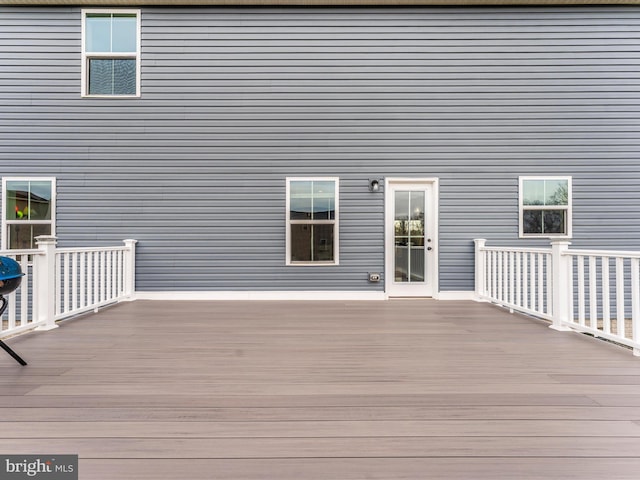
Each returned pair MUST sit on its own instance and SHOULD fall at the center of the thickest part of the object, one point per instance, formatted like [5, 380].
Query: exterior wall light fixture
[374, 185]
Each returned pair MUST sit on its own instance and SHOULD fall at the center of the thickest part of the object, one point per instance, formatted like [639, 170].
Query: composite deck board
[321, 390]
[342, 446]
[492, 413]
[326, 429]
[531, 468]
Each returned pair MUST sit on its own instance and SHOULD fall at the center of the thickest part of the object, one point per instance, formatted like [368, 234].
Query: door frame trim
[433, 222]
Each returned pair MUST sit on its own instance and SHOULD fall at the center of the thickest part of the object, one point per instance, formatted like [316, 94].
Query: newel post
[44, 284]
[130, 268]
[562, 292]
[481, 274]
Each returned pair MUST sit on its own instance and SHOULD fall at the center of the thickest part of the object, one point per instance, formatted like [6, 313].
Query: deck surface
[403, 389]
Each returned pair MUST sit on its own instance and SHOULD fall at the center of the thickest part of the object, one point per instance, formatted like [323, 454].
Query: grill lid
[9, 269]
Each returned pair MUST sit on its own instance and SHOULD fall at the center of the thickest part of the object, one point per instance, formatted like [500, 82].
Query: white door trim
[432, 226]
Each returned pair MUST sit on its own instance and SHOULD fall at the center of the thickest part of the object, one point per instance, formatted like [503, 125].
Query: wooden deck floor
[404, 389]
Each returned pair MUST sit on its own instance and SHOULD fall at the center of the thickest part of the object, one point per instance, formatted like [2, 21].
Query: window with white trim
[545, 207]
[111, 53]
[312, 221]
[28, 206]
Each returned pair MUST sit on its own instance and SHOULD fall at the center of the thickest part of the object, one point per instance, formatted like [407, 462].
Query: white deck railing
[21, 313]
[592, 291]
[88, 278]
[606, 291]
[518, 278]
[60, 283]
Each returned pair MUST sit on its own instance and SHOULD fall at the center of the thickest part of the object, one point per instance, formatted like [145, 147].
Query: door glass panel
[402, 205]
[409, 236]
[417, 214]
[401, 260]
[416, 268]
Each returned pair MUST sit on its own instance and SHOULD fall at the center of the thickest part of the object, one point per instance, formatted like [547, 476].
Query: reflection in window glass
[312, 200]
[28, 212]
[545, 192]
[311, 243]
[312, 221]
[545, 222]
[554, 222]
[301, 200]
[409, 226]
[323, 200]
[546, 205]
[28, 200]
[22, 237]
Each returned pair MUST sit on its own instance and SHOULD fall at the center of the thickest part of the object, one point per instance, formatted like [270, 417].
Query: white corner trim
[456, 295]
[261, 295]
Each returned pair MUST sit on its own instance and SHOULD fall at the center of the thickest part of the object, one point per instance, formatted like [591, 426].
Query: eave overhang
[453, 3]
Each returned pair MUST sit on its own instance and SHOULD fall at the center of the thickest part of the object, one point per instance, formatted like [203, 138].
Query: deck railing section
[606, 291]
[592, 291]
[518, 278]
[88, 278]
[60, 283]
[20, 314]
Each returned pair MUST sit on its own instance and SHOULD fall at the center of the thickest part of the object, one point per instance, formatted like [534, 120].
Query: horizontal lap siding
[235, 100]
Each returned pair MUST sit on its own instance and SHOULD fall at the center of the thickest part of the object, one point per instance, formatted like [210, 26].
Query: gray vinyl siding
[236, 99]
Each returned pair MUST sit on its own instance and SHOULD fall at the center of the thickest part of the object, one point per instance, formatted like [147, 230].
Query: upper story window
[545, 207]
[28, 206]
[111, 53]
[312, 221]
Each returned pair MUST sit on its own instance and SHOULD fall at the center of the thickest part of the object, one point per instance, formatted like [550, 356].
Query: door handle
[429, 248]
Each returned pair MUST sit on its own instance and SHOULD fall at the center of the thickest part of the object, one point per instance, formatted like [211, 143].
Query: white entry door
[411, 238]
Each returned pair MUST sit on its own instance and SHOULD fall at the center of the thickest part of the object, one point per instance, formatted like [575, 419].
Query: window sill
[110, 96]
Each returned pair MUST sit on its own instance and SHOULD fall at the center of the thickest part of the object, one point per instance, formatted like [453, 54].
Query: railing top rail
[9, 253]
[602, 253]
[516, 249]
[92, 249]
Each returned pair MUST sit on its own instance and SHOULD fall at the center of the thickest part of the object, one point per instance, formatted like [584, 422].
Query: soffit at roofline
[466, 3]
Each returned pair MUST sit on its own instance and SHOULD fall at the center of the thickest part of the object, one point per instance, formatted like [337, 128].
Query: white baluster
[620, 296]
[635, 304]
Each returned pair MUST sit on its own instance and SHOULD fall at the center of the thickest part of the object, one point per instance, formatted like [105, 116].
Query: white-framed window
[28, 210]
[110, 53]
[312, 221]
[545, 207]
